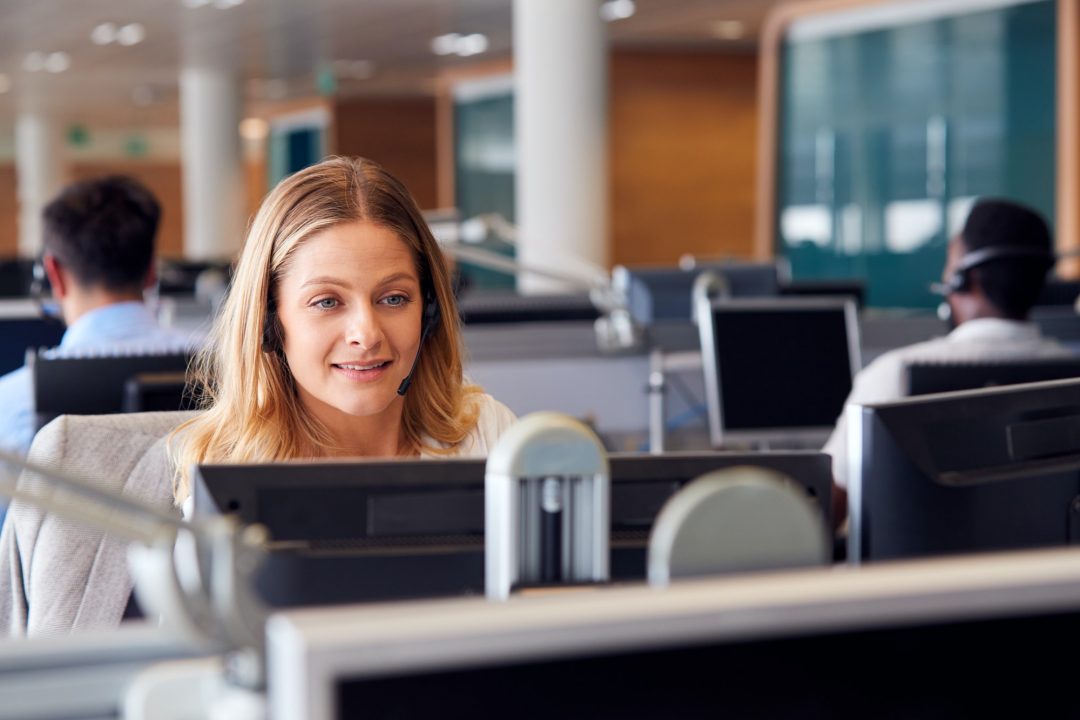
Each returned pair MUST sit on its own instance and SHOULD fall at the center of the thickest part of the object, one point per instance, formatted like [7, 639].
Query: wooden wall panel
[682, 141]
[164, 180]
[9, 211]
[397, 133]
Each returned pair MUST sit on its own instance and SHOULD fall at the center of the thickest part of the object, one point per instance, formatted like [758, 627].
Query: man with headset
[994, 271]
[99, 257]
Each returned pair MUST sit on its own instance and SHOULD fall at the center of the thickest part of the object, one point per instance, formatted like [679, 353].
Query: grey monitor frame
[803, 436]
[310, 651]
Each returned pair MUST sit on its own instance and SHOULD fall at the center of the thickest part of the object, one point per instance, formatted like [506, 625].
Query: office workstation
[750, 397]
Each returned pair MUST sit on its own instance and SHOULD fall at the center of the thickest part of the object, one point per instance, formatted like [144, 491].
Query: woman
[339, 336]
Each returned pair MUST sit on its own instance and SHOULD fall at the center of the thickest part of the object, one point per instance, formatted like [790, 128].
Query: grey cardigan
[58, 576]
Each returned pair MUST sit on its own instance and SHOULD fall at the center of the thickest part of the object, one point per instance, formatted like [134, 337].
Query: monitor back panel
[367, 531]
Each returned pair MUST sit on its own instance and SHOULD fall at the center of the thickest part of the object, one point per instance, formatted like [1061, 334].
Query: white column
[39, 171]
[214, 213]
[560, 124]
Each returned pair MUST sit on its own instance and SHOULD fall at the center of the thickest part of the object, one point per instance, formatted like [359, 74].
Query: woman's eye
[395, 300]
[326, 304]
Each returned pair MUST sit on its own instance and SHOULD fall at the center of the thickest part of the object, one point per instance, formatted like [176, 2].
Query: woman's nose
[364, 330]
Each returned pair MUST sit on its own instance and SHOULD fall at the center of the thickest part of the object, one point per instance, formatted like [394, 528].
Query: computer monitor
[924, 378]
[25, 329]
[972, 634]
[16, 277]
[853, 288]
[990, 469]
[388, 530]
[777, 371]
[154, 392]
[665, 293]
[61, 387]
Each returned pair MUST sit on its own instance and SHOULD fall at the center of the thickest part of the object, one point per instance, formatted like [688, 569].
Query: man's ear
[151, 277]
[58, 280]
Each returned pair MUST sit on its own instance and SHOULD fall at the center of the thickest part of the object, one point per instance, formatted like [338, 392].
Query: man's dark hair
[102, 230]
[1012, 284]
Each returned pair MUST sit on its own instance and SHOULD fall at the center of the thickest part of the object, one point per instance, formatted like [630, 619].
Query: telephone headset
[271, 342]
[960, 278]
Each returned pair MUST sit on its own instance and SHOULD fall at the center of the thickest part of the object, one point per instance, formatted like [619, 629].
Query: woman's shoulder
[492, 420]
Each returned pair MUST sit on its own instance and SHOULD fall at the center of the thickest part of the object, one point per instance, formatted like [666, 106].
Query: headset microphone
[431, 319]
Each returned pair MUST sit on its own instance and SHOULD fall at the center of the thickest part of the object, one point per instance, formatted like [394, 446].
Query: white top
[493, 420]
[975, 340]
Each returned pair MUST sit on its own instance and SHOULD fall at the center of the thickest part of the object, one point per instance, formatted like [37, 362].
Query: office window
[888, 134]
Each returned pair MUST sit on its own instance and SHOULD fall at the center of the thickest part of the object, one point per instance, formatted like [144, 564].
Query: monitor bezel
[803, 436]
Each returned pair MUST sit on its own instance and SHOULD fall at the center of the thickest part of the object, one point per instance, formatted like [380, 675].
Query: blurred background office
[840, 144]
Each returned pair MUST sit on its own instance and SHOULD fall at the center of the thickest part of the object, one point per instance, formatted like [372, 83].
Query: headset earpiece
[960, 279]
[432, 313]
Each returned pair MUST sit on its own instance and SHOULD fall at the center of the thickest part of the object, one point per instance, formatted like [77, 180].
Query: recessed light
[473, 44]
[5, 83]
[617, 10]
[729, 29]
[457, 44]
[57, 62]
[104, 33]
[131, 34]
[445, 44]
[34, 62]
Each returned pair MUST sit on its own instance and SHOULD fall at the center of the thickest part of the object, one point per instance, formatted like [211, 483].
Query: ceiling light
[254, 128]
[103, 34]
[457, 44]
[445, 44]
[617, 10]
[131, 34]
[473, 44]
[34, 62]
[57, 62]
[729, 29]
[5, 83]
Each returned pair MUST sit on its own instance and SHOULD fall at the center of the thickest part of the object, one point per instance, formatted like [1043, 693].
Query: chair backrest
[91, 385]
[924, 378]
[736, 520]
[153, 392]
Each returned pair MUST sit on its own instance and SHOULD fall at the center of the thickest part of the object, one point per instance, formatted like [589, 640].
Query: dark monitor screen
[938, 377]
[155, 392]
[61, 387]
[666, 293]
[777, 370]
[16, 277]
[990, 469]
[19, 334]
[775, 678]
[380, 530]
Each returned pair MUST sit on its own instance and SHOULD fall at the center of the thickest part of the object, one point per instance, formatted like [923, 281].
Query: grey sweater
[58, 576]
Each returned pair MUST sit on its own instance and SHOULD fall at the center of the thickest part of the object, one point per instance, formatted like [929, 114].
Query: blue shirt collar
[119, 321]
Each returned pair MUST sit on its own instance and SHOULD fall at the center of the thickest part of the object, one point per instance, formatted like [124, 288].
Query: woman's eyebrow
[324, 280]
[397, 277]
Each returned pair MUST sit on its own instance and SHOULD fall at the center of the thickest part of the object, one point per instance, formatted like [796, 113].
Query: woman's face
[350, 306]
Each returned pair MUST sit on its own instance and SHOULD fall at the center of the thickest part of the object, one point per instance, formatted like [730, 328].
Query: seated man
[994, 271]
[99, 257]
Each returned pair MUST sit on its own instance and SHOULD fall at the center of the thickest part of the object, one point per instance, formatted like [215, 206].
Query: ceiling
[279, 47]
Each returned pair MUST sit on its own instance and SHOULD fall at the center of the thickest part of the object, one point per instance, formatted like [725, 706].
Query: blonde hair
[252, 412]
